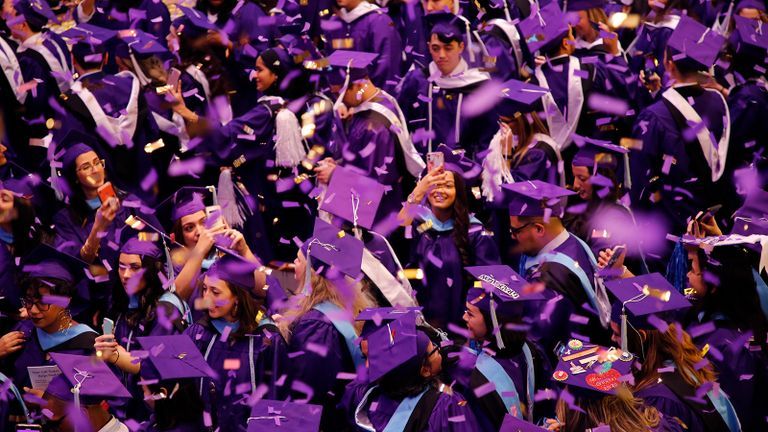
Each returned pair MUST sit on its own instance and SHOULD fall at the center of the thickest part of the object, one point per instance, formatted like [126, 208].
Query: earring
[234, 309]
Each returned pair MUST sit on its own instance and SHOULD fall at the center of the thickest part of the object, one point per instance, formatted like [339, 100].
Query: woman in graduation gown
[403, 391]
[731, 312]
[239, 342]
[672, 374]
[505, 357]
[321, 335]
[139, 307]
[447, 239]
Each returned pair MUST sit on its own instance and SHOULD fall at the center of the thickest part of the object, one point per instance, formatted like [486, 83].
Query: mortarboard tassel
[228, 200]
[677, 268]
[289, 146]
[55, 183]
[496, 328]
[506, 11]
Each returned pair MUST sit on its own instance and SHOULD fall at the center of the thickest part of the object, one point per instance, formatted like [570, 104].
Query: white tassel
[228, 200]
[495, 169]
[289, 147]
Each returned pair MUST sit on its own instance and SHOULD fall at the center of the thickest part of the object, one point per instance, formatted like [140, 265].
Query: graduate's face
[89, 170]
[43, 315]
[7, 212]
[3, 159]
[445, 55]
[527, 234]
[615, 333]
[581, 183]
[475, 322]
[583, 28]
[219, 298]
[191, 226]
[18, 27]
[750, 13]
[433, 364]
[696, 275]
[300, 264]
[131, 273]
[264, 77]
[438, 6]
[444, 194]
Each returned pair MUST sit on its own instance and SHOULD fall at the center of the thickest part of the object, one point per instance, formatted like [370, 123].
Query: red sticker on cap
[560, 375]
[605, 381]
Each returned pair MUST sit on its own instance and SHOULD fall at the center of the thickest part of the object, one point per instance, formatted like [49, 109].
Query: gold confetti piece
[341, 234]
[411, 274]
[150, 147]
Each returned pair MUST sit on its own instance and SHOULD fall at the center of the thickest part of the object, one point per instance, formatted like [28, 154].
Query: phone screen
[435, 160]
[106, 191]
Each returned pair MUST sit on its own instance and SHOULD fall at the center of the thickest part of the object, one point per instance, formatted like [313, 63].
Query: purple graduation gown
[450, 412]
[444, 289]
[499, 46]
[651, 41]
[748, 105]
[659, 396]
[373, 32]
[311, 371]
[227, 395]
[147, 15]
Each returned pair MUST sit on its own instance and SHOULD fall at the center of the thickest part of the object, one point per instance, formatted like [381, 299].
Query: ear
[425, 371]
[461, 46]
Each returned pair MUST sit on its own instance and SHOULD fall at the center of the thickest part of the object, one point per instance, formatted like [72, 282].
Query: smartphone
[617, 251]
[108, 327]
[435, 160]
[651, 64]
[173, 77]
[106, 191]
[214, 217]
[28, 428]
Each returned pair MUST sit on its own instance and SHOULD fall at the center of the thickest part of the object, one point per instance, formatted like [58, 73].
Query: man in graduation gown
[44, 60]
[560, 261]
[571, 82]
[114, 107]
[146, 15]
[363, 26]
[376, 142]
[502, 38]
[680, 163]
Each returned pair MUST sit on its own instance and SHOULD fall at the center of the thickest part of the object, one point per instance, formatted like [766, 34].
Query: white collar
[678, 85]
[461, 76]
[35, 39]
[554, 243]
[362, 9]
[113, 425]
[582, 44]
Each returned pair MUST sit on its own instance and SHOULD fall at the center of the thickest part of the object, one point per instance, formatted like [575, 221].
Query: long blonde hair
[622, 412]
[675, 345]
[349, 297]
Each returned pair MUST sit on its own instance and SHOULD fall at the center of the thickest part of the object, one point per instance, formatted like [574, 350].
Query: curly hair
[148, 297]
[621, 412]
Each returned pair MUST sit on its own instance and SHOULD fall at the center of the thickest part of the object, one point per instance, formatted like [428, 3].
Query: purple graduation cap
[143, 248]
[235, 270]
[139, 43]
[36, 12]
[456, 160]
[591, 370]
[582, 5]
[195, 23]
[355, 64]
[396, 347]
[89, 42]
[184, 202]
[333, 253]
[283, 416]
[518, 97]
[749, 4]
[594, 153]
[353, 197]
[643, 301]
[172, 357]
[47, 262]
[514, 424]
[535, 198]
[498, 291]
[376, 317]
[695, 44]
[545, 28]
[445, 24]
[84, 379]
[750, 39]
[23, 187]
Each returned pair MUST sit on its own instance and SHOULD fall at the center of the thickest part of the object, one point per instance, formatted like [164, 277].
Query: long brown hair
[526, 126]
[621, 412]
[675, 345]
[350, 298]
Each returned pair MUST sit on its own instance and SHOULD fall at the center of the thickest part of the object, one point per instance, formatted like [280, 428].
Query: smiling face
[90, 171]
[8, 212]
[581, 183]
[219, 298]
[300, 264]
[445, 55]
[475, 322]
[264, 77]
[444, 195]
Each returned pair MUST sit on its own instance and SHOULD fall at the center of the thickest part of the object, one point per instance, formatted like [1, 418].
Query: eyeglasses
[27, 304]
[514, 232]
[90, 166]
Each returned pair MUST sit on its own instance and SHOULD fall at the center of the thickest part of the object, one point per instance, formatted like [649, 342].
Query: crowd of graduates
[389, 215]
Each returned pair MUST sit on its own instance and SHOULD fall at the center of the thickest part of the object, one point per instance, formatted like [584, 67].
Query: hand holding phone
[435, 160]
[106, 191]
[108, 327]
[173, 77]
[618, 252]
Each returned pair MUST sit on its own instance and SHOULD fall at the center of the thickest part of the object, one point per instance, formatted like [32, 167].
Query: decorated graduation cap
[498, 291]
[142, 245]
[582, 5]
[283, 416]
[194, 21]
[90, 42]
[591, 370]
[518, 97]
[594, 153]
[750, 39]
[235, 270]
[374, 318]
[36, 12]
[332, 253]
[514, 424]
[46, 262]
[694, 44]
[545, 28]
[643, 301]
[84, 380]
[535, 198]
[353, 197]
[172, 357]
[396, 347]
